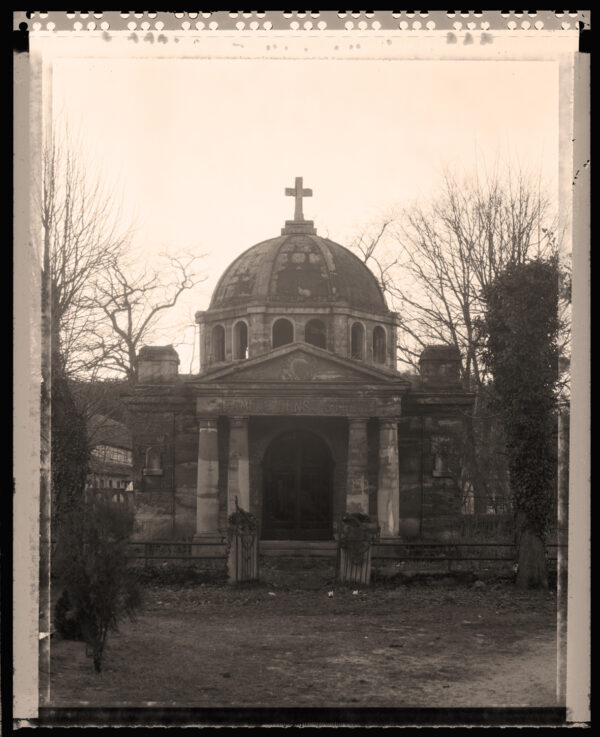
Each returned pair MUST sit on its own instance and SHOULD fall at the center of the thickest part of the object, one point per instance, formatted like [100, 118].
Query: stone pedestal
[207, 490]
[355, 541]
[388, 492]
[238, 470]
[351, 570]
[357, 484]
[242, 560]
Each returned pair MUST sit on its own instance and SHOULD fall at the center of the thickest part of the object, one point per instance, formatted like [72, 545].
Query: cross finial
[298, 193]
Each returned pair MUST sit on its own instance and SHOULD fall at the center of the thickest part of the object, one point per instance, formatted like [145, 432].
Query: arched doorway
[297, 488]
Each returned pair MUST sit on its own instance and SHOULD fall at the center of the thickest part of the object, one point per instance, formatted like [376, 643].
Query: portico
[249, 404]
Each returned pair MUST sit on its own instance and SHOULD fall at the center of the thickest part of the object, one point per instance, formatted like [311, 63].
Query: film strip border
[298, 21]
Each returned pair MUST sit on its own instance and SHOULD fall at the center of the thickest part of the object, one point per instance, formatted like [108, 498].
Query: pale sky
[202, 149]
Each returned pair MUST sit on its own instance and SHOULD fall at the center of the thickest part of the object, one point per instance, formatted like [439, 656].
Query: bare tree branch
[82, 236]
[133, 305]
[433, 261]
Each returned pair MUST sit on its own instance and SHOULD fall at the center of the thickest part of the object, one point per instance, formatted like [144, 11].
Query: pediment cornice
[301, 363]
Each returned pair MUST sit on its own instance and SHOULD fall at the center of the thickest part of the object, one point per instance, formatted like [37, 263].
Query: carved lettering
[328, 406]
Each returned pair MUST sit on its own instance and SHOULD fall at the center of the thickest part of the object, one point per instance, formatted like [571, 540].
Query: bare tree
[132, 304]
[450, 249]
[99, 306]
[434, 262]
[82, 236]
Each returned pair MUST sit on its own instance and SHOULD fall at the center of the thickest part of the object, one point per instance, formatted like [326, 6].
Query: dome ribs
[299, 268]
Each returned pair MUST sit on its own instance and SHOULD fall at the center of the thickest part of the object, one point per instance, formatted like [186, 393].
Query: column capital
[207, 423]
[357, 418]
[388, 421]
[238, 420]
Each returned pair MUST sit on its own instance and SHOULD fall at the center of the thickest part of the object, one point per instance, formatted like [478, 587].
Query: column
[357, 482]
[238, 469]
[388, 481]
[207, 489]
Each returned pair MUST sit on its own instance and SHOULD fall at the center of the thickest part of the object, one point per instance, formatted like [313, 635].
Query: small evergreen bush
[98, 587]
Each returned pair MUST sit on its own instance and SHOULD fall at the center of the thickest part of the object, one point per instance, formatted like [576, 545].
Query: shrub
[99, 590]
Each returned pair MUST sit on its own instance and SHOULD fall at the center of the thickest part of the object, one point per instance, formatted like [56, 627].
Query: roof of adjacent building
[443, 352]
[104, 431]
[159, 352]
[299, 267]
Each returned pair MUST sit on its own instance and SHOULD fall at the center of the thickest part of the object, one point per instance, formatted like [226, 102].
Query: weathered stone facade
[298, 411]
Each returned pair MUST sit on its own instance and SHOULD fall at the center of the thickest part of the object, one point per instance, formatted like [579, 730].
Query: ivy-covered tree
[70, 453]
[520, 329]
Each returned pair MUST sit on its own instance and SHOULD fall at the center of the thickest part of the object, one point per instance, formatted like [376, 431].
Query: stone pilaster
[357, 484]
[238, 471]
[207, 490]
[388, 492]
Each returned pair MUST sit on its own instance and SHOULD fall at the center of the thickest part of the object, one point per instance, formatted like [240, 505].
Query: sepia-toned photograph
[302, 302]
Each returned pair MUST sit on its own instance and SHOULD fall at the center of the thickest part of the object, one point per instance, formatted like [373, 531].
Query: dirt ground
[286, 642]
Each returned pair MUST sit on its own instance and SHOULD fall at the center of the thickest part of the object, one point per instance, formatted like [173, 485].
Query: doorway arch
[297, 488]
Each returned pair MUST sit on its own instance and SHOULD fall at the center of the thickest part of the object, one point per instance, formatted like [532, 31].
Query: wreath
[244, 526]
[357, 533]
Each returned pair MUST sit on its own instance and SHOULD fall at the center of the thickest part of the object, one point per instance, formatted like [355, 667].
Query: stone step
[298, 548]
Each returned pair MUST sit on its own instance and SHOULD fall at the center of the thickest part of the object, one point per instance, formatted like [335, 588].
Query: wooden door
[297, 488]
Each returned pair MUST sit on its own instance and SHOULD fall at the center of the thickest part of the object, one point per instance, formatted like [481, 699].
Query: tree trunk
[562, 553]
[532, 572]
[475, 475]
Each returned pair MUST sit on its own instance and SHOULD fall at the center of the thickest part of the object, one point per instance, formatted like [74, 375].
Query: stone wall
[410, 465]
[430, 494]
[165, 447]
[429, 499]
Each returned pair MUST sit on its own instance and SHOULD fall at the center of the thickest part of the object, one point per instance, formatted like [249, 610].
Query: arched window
[357, 341]
[218, 343]
[240, 340]
[379, 344]
[283, 332]
[315, 333]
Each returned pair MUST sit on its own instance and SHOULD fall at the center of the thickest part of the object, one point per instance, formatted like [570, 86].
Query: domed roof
[299, 267]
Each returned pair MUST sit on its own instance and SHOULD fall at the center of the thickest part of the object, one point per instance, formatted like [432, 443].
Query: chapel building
[298, 413]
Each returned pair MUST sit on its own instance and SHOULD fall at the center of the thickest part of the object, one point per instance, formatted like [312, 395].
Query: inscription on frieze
[328, 406]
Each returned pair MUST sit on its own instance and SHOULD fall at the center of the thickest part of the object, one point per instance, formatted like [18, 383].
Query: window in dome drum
[218, 343]
[283, 333]
[315, 333]
[379, 344]
[240, 341]
[357, 341]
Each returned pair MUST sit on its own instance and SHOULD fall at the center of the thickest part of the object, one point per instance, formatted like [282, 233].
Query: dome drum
[267, 328]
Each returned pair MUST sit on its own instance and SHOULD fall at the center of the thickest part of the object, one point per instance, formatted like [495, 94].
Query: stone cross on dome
[298, 193]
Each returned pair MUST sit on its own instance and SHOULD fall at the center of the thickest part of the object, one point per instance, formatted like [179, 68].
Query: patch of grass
[214, 644]
[168, 574]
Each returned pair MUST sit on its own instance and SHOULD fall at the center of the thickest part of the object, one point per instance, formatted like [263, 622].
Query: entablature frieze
[313, 406]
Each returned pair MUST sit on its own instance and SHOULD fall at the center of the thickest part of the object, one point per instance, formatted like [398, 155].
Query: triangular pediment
[300, 362]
